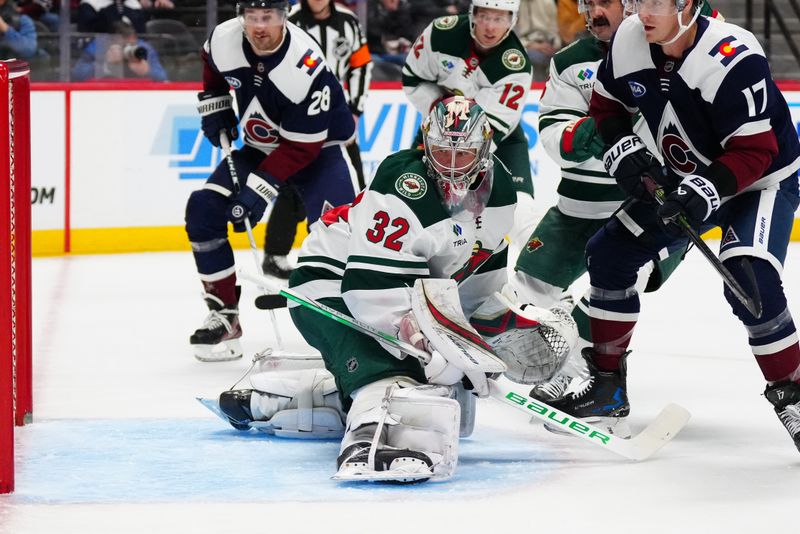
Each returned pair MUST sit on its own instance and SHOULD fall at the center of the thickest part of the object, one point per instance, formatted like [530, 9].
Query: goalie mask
[457, 138]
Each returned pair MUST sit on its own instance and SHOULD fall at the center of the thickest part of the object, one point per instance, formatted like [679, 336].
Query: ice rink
[120, 445]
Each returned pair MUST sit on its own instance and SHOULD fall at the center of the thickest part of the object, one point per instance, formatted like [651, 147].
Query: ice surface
[120, 445]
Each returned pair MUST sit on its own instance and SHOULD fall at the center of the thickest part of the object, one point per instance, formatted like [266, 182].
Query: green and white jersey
[443, 62]
[371, 252]
[585, 190]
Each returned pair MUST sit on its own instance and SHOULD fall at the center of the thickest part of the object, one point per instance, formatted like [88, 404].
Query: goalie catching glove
[437, 325]
[533, 342]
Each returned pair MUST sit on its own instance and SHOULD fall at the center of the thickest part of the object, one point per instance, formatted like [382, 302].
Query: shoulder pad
[630, 50]
[225, 46]
[302, 63]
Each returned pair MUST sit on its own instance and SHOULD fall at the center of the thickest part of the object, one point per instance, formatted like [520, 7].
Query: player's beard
[266, 43]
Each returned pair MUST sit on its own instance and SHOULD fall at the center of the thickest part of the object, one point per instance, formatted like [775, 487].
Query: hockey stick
[751, 302]
[226, 148]
[661, 430]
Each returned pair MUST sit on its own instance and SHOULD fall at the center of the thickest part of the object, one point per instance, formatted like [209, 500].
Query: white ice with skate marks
[119, 443]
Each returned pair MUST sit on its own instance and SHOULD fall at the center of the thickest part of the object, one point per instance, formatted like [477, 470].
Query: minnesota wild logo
[411, 185]
[445, 23]
[513, 59]
[534, 244]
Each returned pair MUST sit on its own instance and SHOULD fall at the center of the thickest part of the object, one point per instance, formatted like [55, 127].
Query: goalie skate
[401, 466]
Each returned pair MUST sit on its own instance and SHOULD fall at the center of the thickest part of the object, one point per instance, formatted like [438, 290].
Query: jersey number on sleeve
[320, 100]
[512, 101]
[377, 234]
[750, 96]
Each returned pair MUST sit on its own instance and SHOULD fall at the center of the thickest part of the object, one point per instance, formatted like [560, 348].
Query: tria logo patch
[585, 74]
[730, 237]
[457, 229]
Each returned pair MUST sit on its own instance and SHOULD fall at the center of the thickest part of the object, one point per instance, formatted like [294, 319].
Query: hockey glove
[581, 141]
[628, 160]
[252, 200]
[216, 115]
[696, 198]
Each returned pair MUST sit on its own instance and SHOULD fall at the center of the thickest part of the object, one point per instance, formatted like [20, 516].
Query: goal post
[15, 261]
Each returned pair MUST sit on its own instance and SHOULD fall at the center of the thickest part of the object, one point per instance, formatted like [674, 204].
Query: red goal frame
[16, 399]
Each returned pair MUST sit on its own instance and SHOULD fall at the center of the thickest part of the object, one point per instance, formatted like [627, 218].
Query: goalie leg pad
[300, 403]
[400, 431]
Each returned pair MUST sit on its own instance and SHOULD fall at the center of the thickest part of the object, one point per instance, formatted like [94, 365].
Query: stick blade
[659, 432]
[270, 302]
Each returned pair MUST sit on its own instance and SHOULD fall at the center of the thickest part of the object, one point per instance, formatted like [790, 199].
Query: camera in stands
[134, 51]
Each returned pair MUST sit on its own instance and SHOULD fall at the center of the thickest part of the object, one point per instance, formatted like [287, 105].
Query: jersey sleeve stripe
[387, 262]
[316, 260]
[315, 137]
[749, 128]
[368, 280]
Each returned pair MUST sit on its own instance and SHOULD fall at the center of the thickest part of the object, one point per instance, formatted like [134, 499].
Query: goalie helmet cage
[15, 261]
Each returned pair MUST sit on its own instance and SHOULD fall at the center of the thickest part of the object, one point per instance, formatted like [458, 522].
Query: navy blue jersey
[290, 103]
[714, 111]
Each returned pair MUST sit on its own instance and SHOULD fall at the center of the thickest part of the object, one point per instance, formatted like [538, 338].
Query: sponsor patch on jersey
[445, 23]
[637, 89]
[513, 59]
[411, 185]
[233, 82]
[585, 74]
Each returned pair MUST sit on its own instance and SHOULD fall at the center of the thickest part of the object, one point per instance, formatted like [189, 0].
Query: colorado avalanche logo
[260, 132]
[676, 146]
[637, 89]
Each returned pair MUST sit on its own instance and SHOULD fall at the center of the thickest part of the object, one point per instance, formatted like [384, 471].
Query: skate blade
[618, 426]
[224, 351]
[213, 407]
[410, 473]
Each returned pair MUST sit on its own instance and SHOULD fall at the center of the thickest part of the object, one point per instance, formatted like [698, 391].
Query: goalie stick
[660, 431]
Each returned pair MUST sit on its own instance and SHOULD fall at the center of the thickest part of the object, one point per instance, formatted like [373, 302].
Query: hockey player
[705, 90]
[553, 257]
[295, 123]
[479, 56]
[338, 32]
[440, 213]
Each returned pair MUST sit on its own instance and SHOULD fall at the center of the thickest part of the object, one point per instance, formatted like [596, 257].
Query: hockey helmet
[281, 6]
[504, 5]
[457, 138]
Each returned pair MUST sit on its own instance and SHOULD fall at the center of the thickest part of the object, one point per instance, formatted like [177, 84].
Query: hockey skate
[601, 400]
[277, 266]
[401, 466]
[552, 389]
[785, 397]
[218, 339]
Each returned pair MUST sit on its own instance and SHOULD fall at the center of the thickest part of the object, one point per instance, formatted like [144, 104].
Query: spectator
[390, 30]
[99, 16]
[17, 32]
[41, 10]
[538, 30]
[121, 55]
[570, 22]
